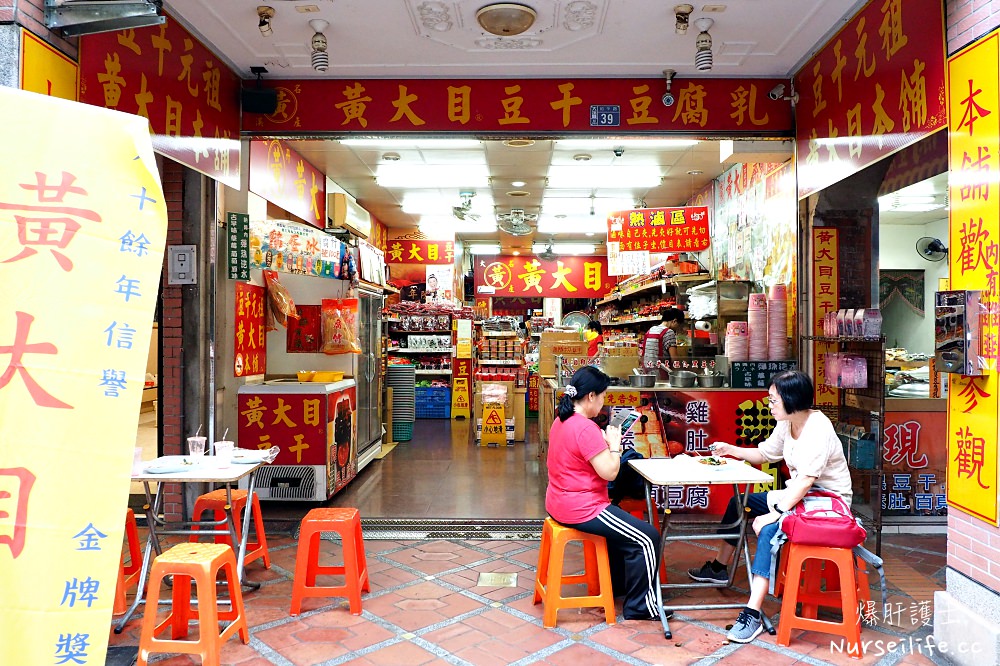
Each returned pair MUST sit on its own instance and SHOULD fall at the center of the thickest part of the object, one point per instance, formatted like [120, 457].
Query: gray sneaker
[706, 574]
[746, 628]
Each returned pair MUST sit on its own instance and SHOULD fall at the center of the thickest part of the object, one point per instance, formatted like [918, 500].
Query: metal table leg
[152, 508]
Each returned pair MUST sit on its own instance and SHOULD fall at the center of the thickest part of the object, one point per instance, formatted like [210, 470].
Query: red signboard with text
[525, 275]
[875, 87]
[413, 251]
[249, 335]
[737, 106]
[660, 229]
[286, 179]
[162, 73]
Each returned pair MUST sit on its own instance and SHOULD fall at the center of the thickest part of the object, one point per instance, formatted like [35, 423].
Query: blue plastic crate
[429, 411]
[433, 395]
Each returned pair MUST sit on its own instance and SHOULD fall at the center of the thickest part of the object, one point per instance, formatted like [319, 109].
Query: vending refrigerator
[369, 374]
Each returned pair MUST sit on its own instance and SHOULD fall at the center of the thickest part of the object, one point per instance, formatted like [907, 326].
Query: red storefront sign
[564, 277]
[876, 87]
[412, 251]
[739, 106]
[162, 73]
[660, 229]
[283, 177]
[249, 335]
[294, 422]
[915, 461]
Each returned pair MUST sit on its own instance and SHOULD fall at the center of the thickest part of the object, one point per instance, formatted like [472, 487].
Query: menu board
[756, 374]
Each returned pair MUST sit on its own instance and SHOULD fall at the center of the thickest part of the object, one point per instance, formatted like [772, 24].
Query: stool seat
[803, 587]
[549, 577]
[200, 563]
[215, 502]
[347, 523]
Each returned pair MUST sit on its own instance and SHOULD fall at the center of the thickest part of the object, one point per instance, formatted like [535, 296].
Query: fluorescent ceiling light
[597, 144]
[483, 249]
[582, 205]
[915, 208]
[413, 143]
[578, 224]
[564, 248]
[401, 175]
[455, 226]
[603, 177]
[434, 204]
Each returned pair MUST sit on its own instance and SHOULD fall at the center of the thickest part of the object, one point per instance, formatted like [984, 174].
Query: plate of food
[711, 461]
[172, 465]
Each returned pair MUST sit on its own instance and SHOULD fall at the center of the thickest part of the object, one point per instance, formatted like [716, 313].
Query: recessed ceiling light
[391, 157]
[582, 157]
[518, 183]
[695, 172]
[589, 233]
[519, 143]
[516, 253]
[518, 193]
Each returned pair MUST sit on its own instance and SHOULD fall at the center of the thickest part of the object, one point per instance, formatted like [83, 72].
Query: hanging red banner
[738, 106]
[525, 275]
[283, 177]
[164, 74]
[407, 251]
[876, 87]
[682, 229]
[249, 335]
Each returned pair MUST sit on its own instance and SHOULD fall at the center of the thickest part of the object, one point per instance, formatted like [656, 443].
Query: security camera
[619, 150]
[777, 92]
[668, 99]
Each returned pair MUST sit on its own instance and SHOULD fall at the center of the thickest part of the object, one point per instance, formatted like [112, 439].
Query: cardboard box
[508, 406]
[513, 410]
[548, 351]
[559, 336]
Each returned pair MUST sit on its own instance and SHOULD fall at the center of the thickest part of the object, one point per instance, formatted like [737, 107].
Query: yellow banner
[82, 230]
[825, 298]
[974, 253]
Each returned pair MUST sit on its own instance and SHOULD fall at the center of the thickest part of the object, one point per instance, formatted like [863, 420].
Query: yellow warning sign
[494, 428]
[460, 403]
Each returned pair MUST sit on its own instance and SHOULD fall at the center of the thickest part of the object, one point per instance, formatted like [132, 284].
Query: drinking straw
[199, 430]
[224, 434]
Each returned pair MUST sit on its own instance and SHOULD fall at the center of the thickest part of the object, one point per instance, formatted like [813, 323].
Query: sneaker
[706, 574]
[746, 629]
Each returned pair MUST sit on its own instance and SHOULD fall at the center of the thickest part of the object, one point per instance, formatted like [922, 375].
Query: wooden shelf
[640, 320]
[499, 334]
[432, 372]
[412, 350]
[492, 361]
[657, 284]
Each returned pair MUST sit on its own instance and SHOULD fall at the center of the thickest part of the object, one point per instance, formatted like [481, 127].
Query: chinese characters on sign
[283, 177]
[238, 245]
[826, 293]
[874, 88]
[294, 248]
[660, 229]
[249, 334]
[526, 275]
[974, 155]
[411, 251]
[162, 73]
[914, 463]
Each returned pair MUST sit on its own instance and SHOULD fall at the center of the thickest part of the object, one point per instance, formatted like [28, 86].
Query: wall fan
[516, 222]
[931, 249]
[548, 254]
[464, 210]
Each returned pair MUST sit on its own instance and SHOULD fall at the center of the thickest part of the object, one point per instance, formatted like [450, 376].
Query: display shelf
[499, 334]
[434, 330]
[660, 284]
[432, 372]
[414, 350]
[640, 320]
[490, 361]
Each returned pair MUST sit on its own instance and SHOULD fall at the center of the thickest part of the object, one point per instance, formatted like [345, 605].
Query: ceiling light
[564, 248]
[519, 143]
[265, 14]
[577, 224]
[405, 175]
[703, 45]
[518, 193]
[306, 9]
[605, 177]
[420, 144]
[516, 253]
[682, 16]
[630, 144]
[517, 183]
[505, 19]
[455, 226]
[695, 172]
[429, 204]
[484, 249]
[391, 157]
[582, 157]
[320, 58]
[561, 207]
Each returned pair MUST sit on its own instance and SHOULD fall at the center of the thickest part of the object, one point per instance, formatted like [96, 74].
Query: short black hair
[671, 314]
[795, 390]
[594, 325]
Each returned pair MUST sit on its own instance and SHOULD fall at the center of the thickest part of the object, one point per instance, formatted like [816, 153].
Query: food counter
[314, 425]
[681, 420]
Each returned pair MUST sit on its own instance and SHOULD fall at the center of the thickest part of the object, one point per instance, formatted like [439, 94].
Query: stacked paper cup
[757, 324]
[777, 323]
[737, 341]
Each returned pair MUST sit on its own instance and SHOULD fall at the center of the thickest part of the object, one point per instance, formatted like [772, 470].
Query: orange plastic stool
[347, 523]
[819, 574]
[549, 577]
[201, 563]
[807, 593]
[128, 574]
[215, 502]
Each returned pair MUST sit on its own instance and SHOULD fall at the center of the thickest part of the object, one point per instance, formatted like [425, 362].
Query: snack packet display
[340, 324]
[279, 300]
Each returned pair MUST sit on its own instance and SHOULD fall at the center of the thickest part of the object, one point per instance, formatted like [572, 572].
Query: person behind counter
[594, 335]
[660, 342]
[805, 439]
[581, 461]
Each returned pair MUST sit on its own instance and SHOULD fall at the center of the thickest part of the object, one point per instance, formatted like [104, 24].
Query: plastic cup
[224, 451]
[196, 445]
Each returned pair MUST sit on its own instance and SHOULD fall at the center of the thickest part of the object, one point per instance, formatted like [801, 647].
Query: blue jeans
[757, 502]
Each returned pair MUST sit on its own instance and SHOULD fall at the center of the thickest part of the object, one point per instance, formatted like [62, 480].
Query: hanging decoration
[907, 285]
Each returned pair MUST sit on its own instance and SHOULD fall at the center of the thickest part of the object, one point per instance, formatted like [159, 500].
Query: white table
[206, 470]
[685, 470]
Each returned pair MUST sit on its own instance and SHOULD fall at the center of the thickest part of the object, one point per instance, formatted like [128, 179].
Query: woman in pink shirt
[581, 461]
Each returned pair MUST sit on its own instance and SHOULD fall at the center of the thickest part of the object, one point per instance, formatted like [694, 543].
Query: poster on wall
[249, 336]
[288, 247]
[439, 283]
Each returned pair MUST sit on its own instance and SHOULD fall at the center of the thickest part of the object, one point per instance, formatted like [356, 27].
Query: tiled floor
[426, 607]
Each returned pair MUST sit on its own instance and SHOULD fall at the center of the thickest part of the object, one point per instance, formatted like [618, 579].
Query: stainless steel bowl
[642, 381]
[682, 379]
[710, 381]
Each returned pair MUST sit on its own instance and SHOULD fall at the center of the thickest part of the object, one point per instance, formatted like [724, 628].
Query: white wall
[897, 251]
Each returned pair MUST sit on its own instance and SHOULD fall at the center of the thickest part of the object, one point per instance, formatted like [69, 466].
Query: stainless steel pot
[710, 381]
[642, 381]
[682, 379]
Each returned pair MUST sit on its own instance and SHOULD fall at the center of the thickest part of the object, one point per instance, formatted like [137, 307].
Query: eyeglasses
[771, 400]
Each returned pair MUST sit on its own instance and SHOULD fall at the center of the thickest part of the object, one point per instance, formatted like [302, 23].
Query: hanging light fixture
[703, 45]
[505, 19]
[265, 14]
[320, 58]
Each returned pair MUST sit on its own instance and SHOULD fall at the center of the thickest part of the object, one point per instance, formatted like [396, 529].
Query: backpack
[628, 484]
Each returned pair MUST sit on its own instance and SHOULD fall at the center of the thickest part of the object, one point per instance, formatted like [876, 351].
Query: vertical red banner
[249, 336]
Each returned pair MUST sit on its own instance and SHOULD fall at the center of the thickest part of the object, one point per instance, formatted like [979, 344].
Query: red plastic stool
[803, 587]
[549, 577]
[215, 502]
[128, 574]
[200, 563]
[818, 575]
[347, 523]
